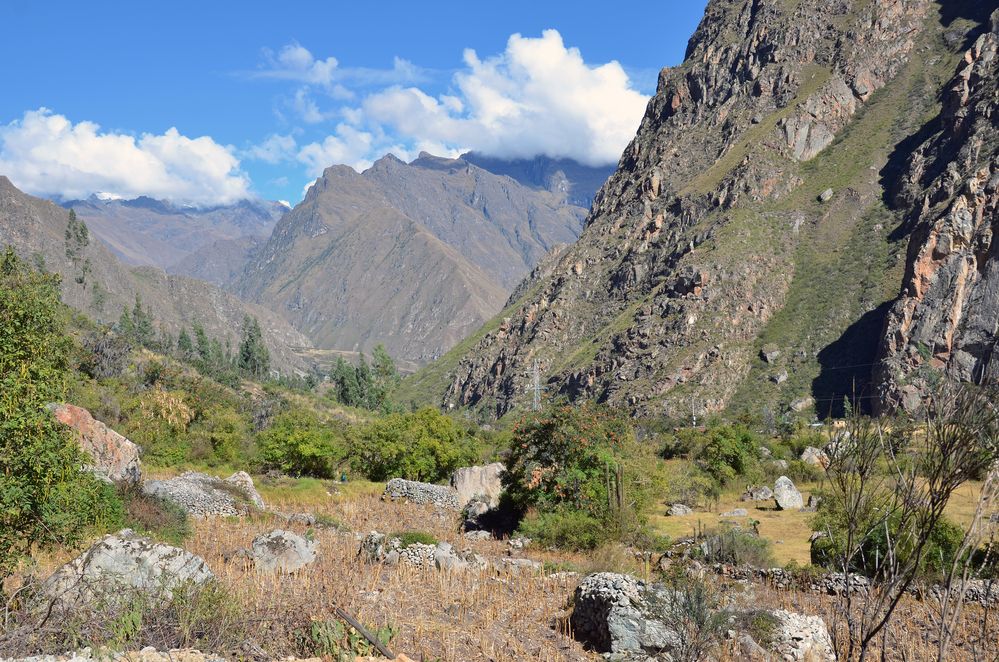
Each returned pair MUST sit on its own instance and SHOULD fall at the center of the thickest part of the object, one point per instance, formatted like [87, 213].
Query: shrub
[424, 445]
[565, 528]
[803, 472]
[105, 354]
[407, 538]
[691, 608]
[728, 452]
[612, 557]
[44, 499]
[151, 515]
[299, 442]
[734, 546]
[335, 640]
[219, 435]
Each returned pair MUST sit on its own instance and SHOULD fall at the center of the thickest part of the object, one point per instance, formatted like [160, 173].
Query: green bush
[220, 435]
[565, 528]
[299, 442]
[734, 546]
[153, 516]
[424, 445]
[44, 498]
[407, 538]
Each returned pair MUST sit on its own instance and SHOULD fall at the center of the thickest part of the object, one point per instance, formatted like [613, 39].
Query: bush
[939, 553]
[219, 435]
[565, 528]
[425, 445]
[407, 538]
[299, 442]
[153, 516]
[734, 546]
[44, 498]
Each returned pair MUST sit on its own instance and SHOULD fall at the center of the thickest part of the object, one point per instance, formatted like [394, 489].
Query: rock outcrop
[944, 320]
[112, 456]
[786, 495]
[422, 493]
[478, 481]
[282, 551]
[123, 562]
[203, 495]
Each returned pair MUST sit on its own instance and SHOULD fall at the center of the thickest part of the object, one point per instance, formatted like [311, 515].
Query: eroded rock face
[484, 481]
[203, 495]
[944, 319]
[787, 495]
[121, 562]
[422, 493]
[113, 456]
[282, 551]
[801, 637]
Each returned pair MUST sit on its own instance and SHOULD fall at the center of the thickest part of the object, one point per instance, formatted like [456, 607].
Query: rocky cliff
[36, 229]
[746, 251]
[413, 256]
[946, 318]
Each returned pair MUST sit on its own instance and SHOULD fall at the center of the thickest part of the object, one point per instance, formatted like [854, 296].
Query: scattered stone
[779, 378]
[678, 509]
[815, 457]
[826, 195]
[801, 637]
[474, 512]
[477, 535]
[737, 512]
[422, 493]
[282, 551]
[787, 495]
[479, 481]
[750, 650]
[202, 495]
[780, 465]
[519, 543]
[757, 493]
[147, 654]
[769, 353]
[764, 452]
[113, 457]
[120, 561]
[814, 501]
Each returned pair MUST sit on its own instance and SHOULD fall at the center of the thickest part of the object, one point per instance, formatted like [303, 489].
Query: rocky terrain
[747, 250]
[414, 256]
[157, 233]
[36, 228]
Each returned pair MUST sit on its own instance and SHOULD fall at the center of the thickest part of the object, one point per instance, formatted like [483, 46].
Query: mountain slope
[351, 271]
[567, 178]
[152, 232]
[710, 243]
[414, 256]
[36, 229]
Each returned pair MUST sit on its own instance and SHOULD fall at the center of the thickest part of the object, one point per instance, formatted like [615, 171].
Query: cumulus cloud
[274, 149]
[537, 97]
[46, 154]
[348, 145]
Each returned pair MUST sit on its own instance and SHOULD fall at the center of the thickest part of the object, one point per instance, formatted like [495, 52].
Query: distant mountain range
[36, 229]
[578, 183]
[145, 231]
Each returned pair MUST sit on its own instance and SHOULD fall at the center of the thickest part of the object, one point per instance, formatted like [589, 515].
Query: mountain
[576, 182]
[221, 262]
[414, 256]
[36, 229]
[748, 252]
[145, 231]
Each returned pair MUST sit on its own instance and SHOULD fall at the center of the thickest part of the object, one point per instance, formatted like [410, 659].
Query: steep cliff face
[710, 242]
[947, 316]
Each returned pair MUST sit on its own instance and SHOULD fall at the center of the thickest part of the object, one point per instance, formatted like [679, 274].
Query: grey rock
[203, 495]
[282, 551]
[422, 493]
[801, 637]
[787, 495]
[769, 353]
[738, 512]
[121, 562]
[779, 377]
[680, 509]
[757, 493]
[815, 457]
[802, 403]
[826, 195]
[477, 535]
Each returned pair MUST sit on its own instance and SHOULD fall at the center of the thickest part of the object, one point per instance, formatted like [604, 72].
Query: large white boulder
[123, 561]
[801, 637]
[478, 481]
[787, 495]
[282, 551]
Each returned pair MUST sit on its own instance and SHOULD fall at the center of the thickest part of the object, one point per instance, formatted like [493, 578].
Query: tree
[346, 388]
[142, 323]
[298, 442]
[77, 239]
[254, 359]
[44, 498]
[185, 347]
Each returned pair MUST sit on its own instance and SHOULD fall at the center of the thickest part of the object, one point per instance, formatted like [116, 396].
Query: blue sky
[207, 102]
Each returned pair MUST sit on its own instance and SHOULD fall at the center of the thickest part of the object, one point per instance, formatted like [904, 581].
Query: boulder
[802, 403]
[680, 509]
[474, 514]
[282, 551]
[123, 561]
[112, 456]
[787, 495]
[801, 637]
[757, 493]
[815, 457]
[202, 495]
[769, 353]
[422, 493]
[738, 512]
[610, 610]
[478, 481]
[826, 195]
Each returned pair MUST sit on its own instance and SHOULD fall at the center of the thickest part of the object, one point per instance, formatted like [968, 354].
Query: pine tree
[254, 359]
[142, 323]
[184, 345]
[77, 239]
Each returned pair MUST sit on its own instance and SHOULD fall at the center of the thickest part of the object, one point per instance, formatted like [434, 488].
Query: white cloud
[46, 154]
[295, 62]
[348, 145]
[275, 149]
[537, 97]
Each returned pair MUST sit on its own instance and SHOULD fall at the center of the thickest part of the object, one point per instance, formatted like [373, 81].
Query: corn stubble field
[464, 616]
